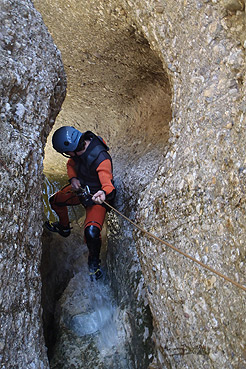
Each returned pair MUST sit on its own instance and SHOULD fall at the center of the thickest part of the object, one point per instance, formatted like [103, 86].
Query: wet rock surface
[91, 332]
[84, 325]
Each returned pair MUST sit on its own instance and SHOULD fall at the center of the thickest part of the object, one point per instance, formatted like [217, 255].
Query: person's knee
[92, 233]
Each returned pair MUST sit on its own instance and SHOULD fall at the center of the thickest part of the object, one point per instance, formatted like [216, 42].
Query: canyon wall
[197, 199]
[164, 83]
[32, 84]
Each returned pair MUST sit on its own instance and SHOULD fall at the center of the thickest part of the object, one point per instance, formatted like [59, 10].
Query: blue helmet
[66, 139]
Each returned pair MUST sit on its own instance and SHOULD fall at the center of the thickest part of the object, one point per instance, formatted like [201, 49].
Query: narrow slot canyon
[118, 88]
[163, 82]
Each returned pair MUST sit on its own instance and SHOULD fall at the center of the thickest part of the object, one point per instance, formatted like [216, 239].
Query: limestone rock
[32, 88]
[166, 89]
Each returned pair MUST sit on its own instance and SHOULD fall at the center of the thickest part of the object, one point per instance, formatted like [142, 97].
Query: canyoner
[89, 167]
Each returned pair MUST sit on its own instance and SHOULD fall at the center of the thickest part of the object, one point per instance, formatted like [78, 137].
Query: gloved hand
[99, 197]
[75, 183]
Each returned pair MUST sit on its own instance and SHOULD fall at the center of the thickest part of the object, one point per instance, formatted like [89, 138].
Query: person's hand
[99, 197]
[75, 183]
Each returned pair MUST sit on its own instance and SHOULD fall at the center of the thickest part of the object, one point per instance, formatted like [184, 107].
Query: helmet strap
[66, 156]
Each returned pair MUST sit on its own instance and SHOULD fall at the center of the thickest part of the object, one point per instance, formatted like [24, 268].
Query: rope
[177, 250]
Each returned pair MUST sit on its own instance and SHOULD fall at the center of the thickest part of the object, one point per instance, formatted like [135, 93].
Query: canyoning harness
[85, 198]
[84, 195]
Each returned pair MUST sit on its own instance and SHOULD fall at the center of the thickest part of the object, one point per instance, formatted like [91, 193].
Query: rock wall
[164, 83]
[197, 200]
[32, 88]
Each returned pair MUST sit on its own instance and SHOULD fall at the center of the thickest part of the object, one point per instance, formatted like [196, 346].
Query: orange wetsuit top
[104, 171]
